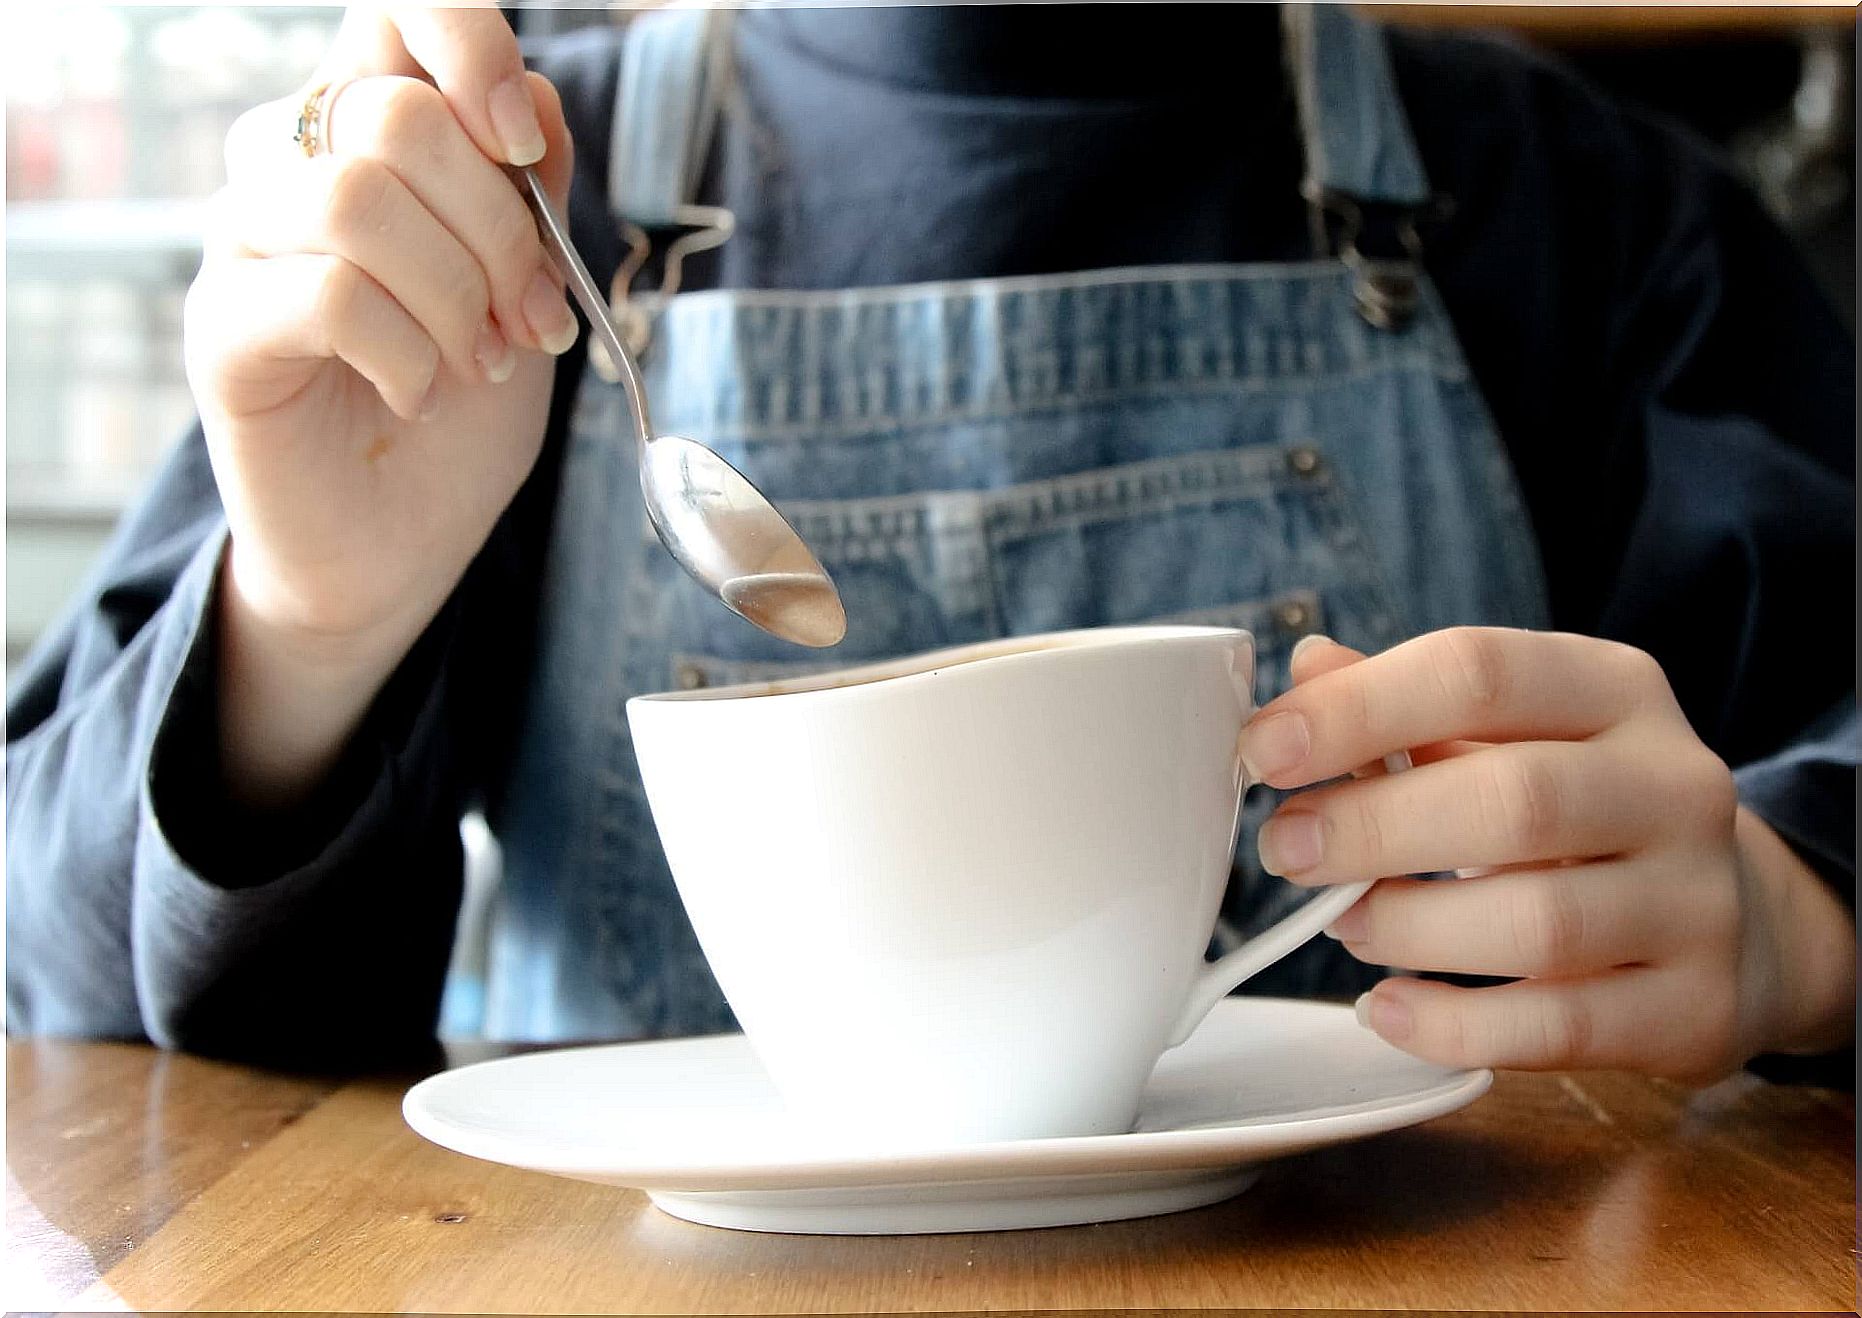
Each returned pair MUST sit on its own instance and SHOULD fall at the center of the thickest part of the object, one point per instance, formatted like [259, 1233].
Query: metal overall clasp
[706, 227]
[1386, 289]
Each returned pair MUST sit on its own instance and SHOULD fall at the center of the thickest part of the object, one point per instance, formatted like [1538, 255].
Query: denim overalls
[1286, 448]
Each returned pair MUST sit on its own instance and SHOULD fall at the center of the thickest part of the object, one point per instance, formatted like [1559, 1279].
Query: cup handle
[1220, 977]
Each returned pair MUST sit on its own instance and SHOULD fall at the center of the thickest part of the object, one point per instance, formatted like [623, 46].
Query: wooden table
[149, 1181]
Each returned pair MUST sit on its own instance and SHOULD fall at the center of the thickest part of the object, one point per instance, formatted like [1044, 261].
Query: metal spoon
[717, 525]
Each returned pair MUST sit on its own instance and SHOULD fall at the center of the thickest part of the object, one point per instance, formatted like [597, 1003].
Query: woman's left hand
[1652, 922]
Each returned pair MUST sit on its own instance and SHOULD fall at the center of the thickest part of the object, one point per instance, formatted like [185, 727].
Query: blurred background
[115, 116]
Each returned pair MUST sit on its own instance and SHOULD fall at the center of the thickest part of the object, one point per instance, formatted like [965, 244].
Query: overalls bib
[1287, 448]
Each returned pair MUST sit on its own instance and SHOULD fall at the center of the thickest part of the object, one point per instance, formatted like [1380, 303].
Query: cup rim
[915, 669]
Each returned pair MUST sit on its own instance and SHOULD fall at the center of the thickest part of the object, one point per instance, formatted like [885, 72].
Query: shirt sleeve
[1738, 555]
[141, 903]
[1737, 564]
[1678, 400]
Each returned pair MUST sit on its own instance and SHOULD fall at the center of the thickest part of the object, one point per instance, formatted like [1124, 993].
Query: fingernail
[1310, 641]
[549, 315]
[430, 401]
[514, 120]
[1383, 1016]
[1291, 843]
[1275, 744]
[494, 354]
[1354, 926]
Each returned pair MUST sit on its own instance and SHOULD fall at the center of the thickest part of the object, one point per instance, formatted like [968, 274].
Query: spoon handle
[568, 262]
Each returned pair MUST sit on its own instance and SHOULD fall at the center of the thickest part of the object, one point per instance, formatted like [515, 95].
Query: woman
[1155, 328]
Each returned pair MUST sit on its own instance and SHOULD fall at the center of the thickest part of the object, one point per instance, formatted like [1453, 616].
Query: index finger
[1464, 683]
[472, 56]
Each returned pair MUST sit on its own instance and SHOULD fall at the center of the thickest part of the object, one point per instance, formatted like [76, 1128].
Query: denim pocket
[1263, 538]
[1250, 529]
[1276, 624]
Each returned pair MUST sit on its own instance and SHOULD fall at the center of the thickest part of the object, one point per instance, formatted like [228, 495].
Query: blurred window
[115, 117]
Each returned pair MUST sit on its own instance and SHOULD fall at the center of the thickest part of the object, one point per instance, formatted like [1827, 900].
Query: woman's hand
[1652, 923]
[369, 346]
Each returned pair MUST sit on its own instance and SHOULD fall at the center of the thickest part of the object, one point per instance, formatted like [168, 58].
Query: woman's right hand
[369, 344]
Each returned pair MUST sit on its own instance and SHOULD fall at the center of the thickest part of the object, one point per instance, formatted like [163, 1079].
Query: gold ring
[312, 120]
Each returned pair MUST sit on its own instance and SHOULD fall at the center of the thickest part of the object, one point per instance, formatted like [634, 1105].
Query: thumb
[1317, 655]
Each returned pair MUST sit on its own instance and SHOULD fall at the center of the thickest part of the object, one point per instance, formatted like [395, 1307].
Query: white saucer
[696, 1124]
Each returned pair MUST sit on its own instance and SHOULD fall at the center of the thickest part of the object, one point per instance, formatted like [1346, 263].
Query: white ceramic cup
[967, 896]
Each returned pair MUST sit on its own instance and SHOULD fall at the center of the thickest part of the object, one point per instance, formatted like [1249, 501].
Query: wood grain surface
[106, 1141]
[195, 1185]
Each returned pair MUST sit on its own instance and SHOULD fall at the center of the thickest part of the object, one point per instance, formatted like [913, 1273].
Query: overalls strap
[1364, 183]
[1359, 153]
[1356, 134]
[665, 108]
[1352, 122]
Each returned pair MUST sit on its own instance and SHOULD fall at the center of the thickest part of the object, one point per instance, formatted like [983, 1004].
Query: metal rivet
[1385, 293]
[1304, 459]
[1293, 615]
[691, 677]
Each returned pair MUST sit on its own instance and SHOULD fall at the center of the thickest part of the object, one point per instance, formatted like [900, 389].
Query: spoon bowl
[717, 525]
[725, 534]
